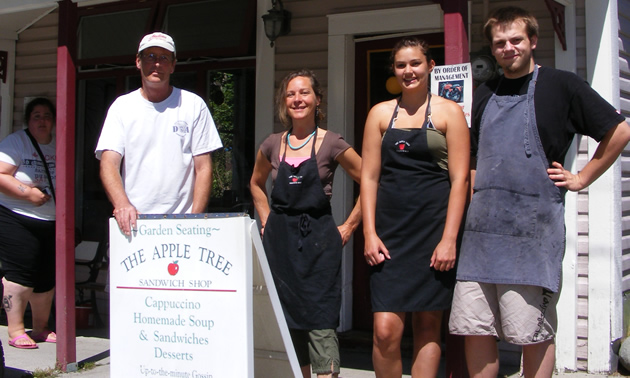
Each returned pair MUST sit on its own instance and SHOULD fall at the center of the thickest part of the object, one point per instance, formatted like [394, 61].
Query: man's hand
[563, 178]
[126, 217]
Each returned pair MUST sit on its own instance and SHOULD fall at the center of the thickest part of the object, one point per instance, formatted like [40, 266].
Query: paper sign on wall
[454, 82]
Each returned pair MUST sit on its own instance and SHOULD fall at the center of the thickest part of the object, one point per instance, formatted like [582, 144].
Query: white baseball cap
[157, 39]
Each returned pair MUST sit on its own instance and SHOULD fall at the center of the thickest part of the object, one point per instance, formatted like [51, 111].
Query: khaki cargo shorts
[518, 314]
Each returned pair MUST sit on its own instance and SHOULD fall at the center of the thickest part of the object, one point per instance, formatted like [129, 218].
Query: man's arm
[124, 212]
[203, 182]
[607, 152]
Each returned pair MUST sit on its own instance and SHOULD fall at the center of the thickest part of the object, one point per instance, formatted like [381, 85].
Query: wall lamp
[277, 21]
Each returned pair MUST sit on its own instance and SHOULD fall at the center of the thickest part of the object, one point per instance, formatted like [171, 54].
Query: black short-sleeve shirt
[565, 105]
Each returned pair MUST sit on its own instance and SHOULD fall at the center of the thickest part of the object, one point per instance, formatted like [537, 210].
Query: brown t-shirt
[332, 145]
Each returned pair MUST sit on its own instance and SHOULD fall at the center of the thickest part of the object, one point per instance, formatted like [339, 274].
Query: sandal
[13, 342]
[44, 337]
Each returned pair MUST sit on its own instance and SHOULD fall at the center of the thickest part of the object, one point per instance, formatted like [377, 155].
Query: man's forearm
[203, 183]
[112, 183]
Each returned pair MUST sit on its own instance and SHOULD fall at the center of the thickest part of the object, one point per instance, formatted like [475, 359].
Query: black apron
[411, 205]
[514, 231]
[303, 246]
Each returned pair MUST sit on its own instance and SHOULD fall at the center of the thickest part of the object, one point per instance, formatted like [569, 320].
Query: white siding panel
[39, 34]
[583, 244]
[306, 46]
[582, 290]
[312, 60]
[299, 43]
[35, 48]
[306, 25]
[36, 76]
[623, 8]
[36, 62]
[582, 204]
[42, 61]
[623, 64]
[625, 264]
[582, 268]
[583, 227]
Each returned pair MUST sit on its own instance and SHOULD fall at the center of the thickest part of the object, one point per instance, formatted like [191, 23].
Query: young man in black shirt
[509, 272]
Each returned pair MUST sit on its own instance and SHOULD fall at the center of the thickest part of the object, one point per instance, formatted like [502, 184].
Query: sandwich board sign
[182, 300]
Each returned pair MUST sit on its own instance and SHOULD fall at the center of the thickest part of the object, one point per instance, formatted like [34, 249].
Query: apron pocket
[503, 212]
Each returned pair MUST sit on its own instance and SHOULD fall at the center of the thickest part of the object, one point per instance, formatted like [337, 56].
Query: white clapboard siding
[35, 64]
[623, 8]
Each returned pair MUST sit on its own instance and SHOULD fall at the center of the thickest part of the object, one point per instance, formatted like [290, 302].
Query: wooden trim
[604, 240]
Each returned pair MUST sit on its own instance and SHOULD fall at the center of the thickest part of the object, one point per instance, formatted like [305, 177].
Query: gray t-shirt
[332, 145]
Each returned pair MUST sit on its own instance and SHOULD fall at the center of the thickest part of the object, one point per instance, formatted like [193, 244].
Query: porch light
[277, 21]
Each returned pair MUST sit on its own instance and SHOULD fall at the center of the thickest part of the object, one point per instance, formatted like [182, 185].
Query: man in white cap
[165, 135]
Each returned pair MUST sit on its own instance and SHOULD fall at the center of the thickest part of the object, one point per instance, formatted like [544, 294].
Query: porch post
[66, 76]
[455, 51]
[604, 239]
[455, 31]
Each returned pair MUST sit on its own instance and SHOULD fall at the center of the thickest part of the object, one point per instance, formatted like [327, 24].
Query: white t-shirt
[16, 149]
[158, 142]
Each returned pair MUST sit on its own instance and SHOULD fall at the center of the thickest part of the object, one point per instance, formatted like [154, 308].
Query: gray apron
[514, 232]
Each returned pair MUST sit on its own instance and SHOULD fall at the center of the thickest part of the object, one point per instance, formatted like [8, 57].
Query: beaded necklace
[301, 145]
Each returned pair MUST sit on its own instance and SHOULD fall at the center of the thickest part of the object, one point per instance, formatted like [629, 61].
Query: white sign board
[454, 82]
[181, 295]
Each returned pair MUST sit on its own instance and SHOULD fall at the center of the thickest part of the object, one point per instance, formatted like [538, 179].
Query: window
[219, 27]
[109, 35]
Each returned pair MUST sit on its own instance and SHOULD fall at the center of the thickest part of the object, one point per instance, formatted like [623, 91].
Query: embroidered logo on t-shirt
[295, 180]
[402, 146]
[181, 128]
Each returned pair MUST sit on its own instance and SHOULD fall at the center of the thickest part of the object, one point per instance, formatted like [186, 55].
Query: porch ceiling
[17, 15]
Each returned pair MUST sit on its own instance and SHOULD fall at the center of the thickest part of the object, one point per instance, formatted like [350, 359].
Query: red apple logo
[173, 268]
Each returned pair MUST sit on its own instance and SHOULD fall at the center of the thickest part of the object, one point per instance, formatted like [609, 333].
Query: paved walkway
[93, 346]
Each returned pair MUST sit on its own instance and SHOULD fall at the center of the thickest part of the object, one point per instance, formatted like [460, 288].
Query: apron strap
[427, 114]
[530, 99]
[394, 114]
